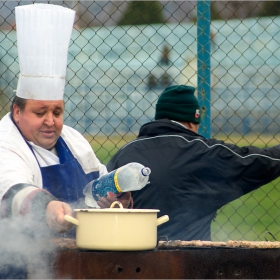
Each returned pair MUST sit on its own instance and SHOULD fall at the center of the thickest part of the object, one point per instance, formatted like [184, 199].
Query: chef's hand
[125, 199]
[55, 212]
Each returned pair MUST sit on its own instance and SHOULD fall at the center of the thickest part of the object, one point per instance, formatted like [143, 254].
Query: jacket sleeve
[247, 167]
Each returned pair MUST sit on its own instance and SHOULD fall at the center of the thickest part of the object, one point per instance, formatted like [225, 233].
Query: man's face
[41, 121]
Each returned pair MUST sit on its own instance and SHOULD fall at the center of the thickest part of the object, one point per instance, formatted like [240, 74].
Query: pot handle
[162, 219]
[116, 202]
[71, 220]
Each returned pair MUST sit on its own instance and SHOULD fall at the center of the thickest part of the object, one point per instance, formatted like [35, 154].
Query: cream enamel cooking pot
[116, 229]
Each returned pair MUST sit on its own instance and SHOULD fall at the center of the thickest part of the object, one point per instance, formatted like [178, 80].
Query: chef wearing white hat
[44, 164]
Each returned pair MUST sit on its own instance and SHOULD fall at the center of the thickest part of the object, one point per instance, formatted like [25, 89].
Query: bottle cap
[146, 171]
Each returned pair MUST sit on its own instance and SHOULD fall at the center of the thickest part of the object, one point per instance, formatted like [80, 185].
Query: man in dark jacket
[192, 177]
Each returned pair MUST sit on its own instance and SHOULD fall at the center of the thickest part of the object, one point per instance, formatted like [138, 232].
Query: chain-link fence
[123, 54]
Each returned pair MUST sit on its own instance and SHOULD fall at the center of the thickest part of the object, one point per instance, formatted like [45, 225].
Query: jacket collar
[164, 126]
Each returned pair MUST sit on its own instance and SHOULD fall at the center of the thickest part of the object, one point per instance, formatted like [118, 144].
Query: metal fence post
[204, 66]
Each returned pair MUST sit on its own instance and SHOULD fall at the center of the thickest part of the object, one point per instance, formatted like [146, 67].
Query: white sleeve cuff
[18, 199]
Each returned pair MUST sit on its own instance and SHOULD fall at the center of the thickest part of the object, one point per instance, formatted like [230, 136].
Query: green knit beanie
[178, 103]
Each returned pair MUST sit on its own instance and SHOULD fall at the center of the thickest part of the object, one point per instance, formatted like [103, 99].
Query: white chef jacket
[18, 164]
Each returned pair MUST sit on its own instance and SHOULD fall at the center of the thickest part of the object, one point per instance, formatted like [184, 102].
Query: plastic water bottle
[130, 177]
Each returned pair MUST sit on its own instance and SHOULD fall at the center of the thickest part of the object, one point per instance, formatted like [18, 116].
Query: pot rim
[116, 210]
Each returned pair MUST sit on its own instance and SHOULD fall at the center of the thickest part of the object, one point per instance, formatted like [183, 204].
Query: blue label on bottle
[104, 185]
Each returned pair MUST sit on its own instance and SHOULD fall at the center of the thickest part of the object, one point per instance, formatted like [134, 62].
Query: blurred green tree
[271, 8]
[142, 12]
[214, 14]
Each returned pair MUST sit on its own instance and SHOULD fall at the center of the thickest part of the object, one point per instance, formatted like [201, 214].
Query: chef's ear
[15, 112]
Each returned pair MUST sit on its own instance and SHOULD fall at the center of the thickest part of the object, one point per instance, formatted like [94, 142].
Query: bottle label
[116, 181]
[106, 185]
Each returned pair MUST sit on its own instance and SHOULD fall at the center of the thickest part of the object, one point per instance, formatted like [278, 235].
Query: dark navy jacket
[192, 177]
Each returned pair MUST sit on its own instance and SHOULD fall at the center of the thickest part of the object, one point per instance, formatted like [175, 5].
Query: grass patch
[105, 147]
[251, 216]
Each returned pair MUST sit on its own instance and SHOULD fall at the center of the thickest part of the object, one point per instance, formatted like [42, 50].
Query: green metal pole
[204, 65]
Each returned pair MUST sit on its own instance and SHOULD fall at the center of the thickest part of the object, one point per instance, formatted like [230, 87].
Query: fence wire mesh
[124, 53]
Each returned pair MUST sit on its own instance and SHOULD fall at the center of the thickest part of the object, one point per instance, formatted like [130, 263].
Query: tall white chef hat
[43, 36]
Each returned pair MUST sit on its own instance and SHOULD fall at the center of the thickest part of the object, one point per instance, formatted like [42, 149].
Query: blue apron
[66, 180]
